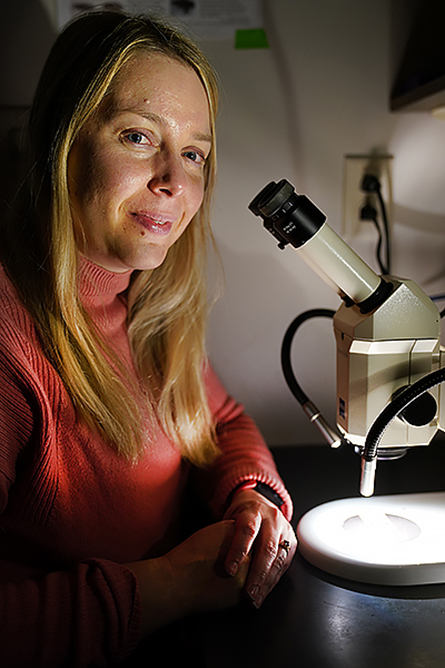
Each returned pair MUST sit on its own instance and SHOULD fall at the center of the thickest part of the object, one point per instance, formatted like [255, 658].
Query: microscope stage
[385, 540]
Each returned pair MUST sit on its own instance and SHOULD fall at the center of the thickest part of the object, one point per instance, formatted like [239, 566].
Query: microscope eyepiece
[293, 219]
[272, 197]
[290, 217]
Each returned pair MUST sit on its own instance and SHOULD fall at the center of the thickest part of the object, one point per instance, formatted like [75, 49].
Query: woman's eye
[196, 157]
[136, 138]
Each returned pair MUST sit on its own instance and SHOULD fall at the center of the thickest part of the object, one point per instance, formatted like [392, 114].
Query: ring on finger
[284, 545]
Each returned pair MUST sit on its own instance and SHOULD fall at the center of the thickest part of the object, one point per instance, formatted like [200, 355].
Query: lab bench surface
[312, 619]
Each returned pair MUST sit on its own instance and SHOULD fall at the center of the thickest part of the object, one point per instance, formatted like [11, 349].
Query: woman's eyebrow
[159, 120]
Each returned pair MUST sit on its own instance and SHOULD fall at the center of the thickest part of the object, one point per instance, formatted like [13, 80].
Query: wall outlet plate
[354, 169]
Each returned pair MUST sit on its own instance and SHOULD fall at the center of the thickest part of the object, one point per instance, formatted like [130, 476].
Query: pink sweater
[72, 511]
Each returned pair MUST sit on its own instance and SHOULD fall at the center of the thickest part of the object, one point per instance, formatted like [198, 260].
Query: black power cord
[371, 185]
[369, 212]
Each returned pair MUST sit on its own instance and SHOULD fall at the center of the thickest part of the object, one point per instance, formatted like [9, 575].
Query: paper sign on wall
[205, 18]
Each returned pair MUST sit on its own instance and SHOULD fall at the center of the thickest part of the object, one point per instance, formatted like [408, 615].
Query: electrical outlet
[355, 168]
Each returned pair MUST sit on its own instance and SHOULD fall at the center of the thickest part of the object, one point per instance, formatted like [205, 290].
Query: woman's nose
[169, 177]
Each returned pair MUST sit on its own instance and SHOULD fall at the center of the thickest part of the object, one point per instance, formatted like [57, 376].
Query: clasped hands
[246, 552]
[262, 536]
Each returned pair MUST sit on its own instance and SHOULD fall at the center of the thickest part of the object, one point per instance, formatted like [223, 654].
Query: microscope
[390, 363]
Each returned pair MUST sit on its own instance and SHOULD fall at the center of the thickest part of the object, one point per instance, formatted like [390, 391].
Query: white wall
[293, 111]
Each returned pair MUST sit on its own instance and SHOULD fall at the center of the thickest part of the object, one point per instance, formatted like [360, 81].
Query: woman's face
[136, 169]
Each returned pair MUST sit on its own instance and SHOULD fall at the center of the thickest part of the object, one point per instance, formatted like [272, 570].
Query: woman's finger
[247, 527]
[272, 564]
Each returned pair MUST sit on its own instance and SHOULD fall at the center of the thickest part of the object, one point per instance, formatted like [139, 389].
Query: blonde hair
[167, 306]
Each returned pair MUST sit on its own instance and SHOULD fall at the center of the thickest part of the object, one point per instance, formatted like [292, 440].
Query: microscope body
[379, 354]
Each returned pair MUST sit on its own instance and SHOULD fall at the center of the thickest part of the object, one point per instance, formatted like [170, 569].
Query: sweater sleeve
[88, 614]
[244, 454]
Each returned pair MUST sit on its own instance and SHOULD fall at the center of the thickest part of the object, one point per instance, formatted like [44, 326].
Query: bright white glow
[376, 527]
[393, 540]
[417, 146]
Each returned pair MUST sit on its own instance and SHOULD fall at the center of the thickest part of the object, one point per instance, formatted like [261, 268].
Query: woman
[108, 404]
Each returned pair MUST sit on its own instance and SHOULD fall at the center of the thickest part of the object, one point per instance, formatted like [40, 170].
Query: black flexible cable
[378, 251]
[286, 363]
[369, 212]
[371, 185]
[385, 230]
[397, 405]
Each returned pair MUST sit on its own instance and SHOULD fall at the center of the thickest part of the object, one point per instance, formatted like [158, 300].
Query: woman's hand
[190, 578]
[263, 532]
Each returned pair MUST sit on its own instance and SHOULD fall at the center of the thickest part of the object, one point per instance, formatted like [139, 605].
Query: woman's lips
[153, 223]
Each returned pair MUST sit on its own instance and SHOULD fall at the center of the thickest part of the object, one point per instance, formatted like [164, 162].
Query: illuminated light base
[385, 540]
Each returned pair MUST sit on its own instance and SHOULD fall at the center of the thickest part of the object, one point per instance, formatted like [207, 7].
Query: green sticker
[251, 39]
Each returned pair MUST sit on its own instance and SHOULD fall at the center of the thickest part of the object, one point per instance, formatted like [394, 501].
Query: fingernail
[254, 593]
[233, 568]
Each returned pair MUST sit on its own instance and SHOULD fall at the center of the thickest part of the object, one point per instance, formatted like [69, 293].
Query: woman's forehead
[149, 84]
[153, 70]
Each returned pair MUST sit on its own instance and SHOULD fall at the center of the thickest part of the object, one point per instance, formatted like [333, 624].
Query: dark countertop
[312, 619]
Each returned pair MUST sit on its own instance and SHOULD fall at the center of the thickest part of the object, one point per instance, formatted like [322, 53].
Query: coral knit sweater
[72, 511]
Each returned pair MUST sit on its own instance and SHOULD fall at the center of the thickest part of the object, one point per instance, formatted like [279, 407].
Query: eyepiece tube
[336, 263]
[294, 219]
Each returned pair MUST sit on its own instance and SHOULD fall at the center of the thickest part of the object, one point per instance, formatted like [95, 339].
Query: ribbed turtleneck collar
[99, 286]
